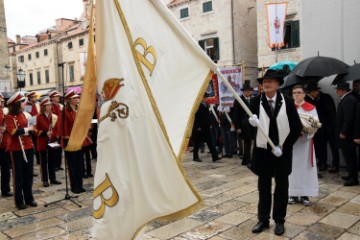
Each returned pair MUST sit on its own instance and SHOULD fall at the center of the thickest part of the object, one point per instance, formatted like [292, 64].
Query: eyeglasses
[23, 100]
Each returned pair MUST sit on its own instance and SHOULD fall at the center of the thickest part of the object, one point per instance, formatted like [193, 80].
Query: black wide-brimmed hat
[313, 86]
[344, 86]
[247, 86]
[273, 74]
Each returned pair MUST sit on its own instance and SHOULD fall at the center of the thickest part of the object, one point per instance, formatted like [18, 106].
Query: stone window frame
[47, 75]
[204, 3]
[180, 12]
[38, 77]
[72, 72]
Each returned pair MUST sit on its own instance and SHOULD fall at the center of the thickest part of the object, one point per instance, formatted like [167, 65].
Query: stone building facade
[4, 56]
[292, 51]
[226, 29]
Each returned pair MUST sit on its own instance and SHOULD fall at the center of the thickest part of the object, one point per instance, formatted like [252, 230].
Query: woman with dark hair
[75, 160]
[47, 132]
[21, 150]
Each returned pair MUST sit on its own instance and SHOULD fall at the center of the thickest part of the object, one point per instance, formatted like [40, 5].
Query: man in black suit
[326, 110]
[345, 117]
[240, 119]
[201, 133]
[280, 120]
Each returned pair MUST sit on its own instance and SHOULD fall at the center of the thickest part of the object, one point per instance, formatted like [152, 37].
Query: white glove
[277, 151]
[254, 121]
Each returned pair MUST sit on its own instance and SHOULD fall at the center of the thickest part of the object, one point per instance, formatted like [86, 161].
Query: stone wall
[4, 56]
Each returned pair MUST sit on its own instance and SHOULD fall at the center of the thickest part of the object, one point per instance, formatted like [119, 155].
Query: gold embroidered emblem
[110, 202]
[111, 87]
[121, 109]
[142, 57]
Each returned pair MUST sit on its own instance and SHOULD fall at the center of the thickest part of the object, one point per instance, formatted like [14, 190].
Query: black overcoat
[345, 117]
[240, 118]
[264, 163]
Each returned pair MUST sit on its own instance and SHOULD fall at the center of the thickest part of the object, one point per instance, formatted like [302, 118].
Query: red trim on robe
[306, 106]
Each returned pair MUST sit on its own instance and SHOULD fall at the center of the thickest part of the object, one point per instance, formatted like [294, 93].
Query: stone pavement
[230, 196]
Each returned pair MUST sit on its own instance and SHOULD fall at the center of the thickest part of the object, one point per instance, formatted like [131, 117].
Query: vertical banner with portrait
[233, 74]
[212, 92]
[82, 61]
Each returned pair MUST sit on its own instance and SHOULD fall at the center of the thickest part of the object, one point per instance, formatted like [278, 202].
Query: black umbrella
[292, 80]
[319, 67]
[353, 73]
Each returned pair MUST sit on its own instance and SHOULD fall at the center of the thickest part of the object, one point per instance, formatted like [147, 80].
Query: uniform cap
[71, 94]
[15, 98]
[45, 101]
[31, 94]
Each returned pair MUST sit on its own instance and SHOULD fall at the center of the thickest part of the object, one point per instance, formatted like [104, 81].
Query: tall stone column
[4, 52]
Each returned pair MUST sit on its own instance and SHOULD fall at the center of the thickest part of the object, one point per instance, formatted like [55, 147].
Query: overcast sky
[28, 17]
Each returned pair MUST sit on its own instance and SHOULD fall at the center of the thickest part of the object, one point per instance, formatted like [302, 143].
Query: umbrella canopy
[319, 67]
[280, 65]
[292, 80]
[353, 73]
[77, 89]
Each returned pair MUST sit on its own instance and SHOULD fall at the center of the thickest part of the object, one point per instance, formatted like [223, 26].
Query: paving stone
[13, 223]
[33, 227]
[227, 207]
[319, 209]
[340, 219]
[333, 200]
[303, 219]
[307, 235]
[175, 228]
[250, 197]
[205, 216]
[215, 200]
[350, 208]
[235, 217]
[7, 216]
[80, 213]
[268, 236]
[327, 230]
[78, 224]
[3, 237]
[51, 213]
[206, 231]
[45, 234]
[349, 236]
[355, 229]
[243, 231]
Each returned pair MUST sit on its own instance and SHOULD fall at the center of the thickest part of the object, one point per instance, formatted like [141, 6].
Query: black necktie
[270, 102]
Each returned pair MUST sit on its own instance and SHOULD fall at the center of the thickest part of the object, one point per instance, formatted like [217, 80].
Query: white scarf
[282, 123]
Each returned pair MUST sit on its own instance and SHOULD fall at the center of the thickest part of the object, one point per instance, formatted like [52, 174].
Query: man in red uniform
[47, 132]
[33, 107]
[4, 155]
[75, 160]
[21, 150]
[56, 108]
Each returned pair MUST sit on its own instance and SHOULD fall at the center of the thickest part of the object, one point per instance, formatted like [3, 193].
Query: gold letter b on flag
[142, 56]
[110, 202]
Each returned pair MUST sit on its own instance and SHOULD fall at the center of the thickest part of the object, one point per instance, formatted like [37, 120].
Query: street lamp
[20, 78]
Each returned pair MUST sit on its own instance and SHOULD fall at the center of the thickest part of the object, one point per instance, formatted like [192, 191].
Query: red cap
[71, 94]
[45, 101]
[31, 94]
[15, 98]
[54, 94]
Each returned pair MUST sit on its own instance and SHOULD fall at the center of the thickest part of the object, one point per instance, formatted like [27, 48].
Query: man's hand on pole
[254, 121]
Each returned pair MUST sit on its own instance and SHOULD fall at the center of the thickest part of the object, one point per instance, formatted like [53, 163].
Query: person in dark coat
[201, 133]
[240, 119]
[326, 109]
[357, 126]
[345, 117]
[279, 118]
[356, 93]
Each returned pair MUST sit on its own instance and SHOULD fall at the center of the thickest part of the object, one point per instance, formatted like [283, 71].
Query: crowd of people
[300, 123]
[41, 130]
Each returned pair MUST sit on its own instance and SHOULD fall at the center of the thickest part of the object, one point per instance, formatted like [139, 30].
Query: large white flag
[275, 16]
[152, 76]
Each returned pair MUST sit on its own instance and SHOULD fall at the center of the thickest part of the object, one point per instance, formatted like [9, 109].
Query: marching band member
[21, 150]
[47, 132]
[57, 108]
[4, 155]
[32, 106]
[74, 159]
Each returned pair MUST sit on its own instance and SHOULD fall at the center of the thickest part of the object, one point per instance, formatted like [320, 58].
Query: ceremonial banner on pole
[151, 86]
[212, 91]
[275, 16]
[233, 74]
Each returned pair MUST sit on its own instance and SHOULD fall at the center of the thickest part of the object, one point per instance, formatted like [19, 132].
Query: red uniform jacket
[5, 136]
[42, 126]
[34, 108]
[68, 122]
[15, 125]
[57, 110]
